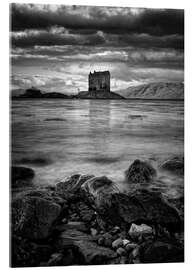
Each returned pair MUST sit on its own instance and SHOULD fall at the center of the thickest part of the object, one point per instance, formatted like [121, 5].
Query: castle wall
[99, 81]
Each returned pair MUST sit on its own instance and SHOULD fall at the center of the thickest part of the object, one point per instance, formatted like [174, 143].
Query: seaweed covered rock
[140, 172]
[99, 189]
[21, 176]
[32, 217]
[174, 165]
[72, 184]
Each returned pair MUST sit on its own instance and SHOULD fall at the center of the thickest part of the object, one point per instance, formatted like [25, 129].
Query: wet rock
[93, 232]
[158, 210]
[99, 188]
[72, 225]
[174, 165]
[161, 252]
[21, 176]
[121, 251]
[137, 231]
[94, 254]
[130, 246]
[151, 207]
[86, 248]
[108, 239]
[72, 184]
[140, 172]
[101, 241]
[32, 217]
[86, 213]
[117, 243]
[125, 242]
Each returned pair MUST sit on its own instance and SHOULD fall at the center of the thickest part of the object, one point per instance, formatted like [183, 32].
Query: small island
[98, 88]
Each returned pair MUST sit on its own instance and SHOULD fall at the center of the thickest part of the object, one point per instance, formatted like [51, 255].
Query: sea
[61, 137]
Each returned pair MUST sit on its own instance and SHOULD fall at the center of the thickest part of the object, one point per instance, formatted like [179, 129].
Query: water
[58, 138]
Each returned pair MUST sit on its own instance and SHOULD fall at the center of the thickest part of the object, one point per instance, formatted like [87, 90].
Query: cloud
[127, 20]
[78, 25]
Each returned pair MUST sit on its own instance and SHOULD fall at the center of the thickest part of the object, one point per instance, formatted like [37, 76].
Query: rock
[140, 172]
[130, 246]
[135, 252]
[89, 251]
[161, 252]
[94, 254]
[72, 184]
[137, 231]
[32, 217]
[93, 232]
[174, 165]
[99, 188]
[121, 251]
[108, 239]
[21, 176]
[149, 206]
[158, 210]
[117, 243]
[125, 242]
[101, 241]
[27, 254]
[86, 213]
[64, 220]
[55, 260]
[72, 225]
[115, 230]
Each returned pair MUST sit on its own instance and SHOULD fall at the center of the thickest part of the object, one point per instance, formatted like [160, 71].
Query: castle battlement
[99, 81]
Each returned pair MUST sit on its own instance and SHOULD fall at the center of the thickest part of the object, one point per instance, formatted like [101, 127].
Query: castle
[99, 81]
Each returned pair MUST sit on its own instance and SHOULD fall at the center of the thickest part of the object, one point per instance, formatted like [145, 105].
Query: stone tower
[99, 81]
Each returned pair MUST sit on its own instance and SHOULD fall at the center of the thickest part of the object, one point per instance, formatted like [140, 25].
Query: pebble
[121, 251]
[117, 243]
[135, 252]
[93, 232]
[64, 220]
[101, 241]
[125, 242]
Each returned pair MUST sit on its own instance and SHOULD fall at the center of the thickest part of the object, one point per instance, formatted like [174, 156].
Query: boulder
[72, 184]
[138, 231]
[32, 217]
[21, 176]
[140, 172]
[174, 165]
[99, 189]
[141, 206]
[161, 252]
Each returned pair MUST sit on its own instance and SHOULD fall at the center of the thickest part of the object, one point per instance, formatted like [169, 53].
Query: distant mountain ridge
[161, 90]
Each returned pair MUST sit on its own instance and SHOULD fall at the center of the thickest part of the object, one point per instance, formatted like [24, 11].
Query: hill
[161, 90]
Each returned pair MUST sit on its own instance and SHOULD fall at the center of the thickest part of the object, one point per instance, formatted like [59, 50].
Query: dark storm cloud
[111, 20]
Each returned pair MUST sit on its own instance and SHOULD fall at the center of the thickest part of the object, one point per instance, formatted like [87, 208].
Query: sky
[54, 47]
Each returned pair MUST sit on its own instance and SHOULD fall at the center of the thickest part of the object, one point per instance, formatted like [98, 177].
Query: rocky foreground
[86, 220]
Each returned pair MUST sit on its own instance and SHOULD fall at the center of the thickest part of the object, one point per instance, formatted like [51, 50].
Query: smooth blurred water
[101, 137]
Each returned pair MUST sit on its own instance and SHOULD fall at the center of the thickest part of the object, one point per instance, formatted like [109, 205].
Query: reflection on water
[101, 137]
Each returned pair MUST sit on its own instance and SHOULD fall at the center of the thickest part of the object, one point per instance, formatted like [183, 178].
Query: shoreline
[87, 220]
